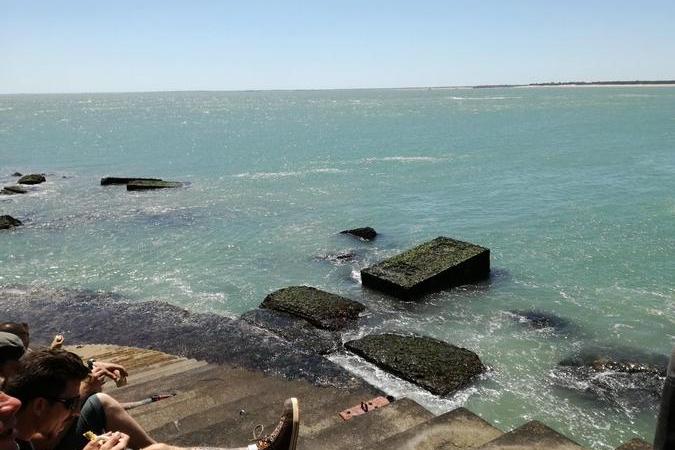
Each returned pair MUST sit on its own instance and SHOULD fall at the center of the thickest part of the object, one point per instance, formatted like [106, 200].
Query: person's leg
[117, 419]
[665, 427]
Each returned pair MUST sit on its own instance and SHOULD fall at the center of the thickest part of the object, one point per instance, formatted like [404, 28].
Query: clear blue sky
[148, 45]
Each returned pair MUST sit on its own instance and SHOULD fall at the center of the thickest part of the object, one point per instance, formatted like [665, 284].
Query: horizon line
[617, 83]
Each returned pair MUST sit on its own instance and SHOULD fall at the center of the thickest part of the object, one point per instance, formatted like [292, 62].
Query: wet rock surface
[434, 365]
[628, 378]
[12, 190]
[17, 174]
[7, 222]
[540, 320]
[108, 181]
[94, 317]
[144, 185]
[320, 308]
[434, 265]
[365, 233]
[298, 332]
[34, 178]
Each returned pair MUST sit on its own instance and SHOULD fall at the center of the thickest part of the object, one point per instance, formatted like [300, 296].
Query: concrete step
[158, 372]
[457, 429]
[177, 382]
[636, 444]
[533, 435]
[368, 430]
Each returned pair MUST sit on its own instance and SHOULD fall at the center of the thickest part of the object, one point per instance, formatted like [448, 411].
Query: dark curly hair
[45, 373]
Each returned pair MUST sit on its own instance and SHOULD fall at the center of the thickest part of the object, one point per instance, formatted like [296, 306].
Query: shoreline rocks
[34, 178]
[434, 365]
[13, 190]
[7, 222]
[365, 233]
[143, 185]
[320, 308]
[434, 265]
[108, 181]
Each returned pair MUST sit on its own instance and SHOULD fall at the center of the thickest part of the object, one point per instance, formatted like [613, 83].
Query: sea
[571, 188]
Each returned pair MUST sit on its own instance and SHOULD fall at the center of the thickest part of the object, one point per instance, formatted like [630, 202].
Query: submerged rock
[625, 377]
[107, 181]
[142, 185]
[17, 174]
[320, 308]
[9, 222]
[365, 233]
[437, 366]
[12, 190]
[541, 320]
[300, 333]
[435, 265]
[34, 178]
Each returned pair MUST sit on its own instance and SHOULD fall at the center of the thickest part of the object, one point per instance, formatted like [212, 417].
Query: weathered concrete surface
[11, 190]
[636, 444]
[365, 233]
[437, 366]
[143, 185]
[454, 430]
[34, 178]
[295, 330]
[8, 222]
[91, 317]
[107, 181]
[436, 264]
[320, 308]
[533, 435]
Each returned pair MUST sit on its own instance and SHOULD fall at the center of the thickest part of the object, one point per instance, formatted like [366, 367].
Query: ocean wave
[483, 98]
[407, 159]
[296, 173]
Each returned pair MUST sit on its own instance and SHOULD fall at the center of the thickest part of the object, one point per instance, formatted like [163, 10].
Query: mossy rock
[142, 185]
[34, 178]
[320, 308]
[365, 233]
[107, 181]
[434, 365]
[8, 222]
[12, 190]
[437, 264]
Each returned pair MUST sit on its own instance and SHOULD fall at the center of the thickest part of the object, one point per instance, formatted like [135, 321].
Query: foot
[285, 435]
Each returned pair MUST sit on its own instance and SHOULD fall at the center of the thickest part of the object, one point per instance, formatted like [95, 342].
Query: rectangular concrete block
[437, 264]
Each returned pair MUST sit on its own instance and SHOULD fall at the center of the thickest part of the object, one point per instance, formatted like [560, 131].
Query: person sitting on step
[47, 383]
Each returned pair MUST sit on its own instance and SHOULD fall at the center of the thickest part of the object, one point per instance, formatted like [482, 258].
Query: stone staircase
[220, 405]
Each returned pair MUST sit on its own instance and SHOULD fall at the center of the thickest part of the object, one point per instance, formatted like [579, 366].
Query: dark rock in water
[107, 181]
[142, 185]
[339, 258]
[320, 308]
[365, 233]
[34, 178]
[626, 377]
[540, 320]
[8, 222]
[17, 174]
[12, 190]
[295, 330]
[636, 444]
[436, 366]
[95, 317]
[435, 265]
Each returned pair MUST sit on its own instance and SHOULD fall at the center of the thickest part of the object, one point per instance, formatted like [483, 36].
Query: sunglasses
[72, 404]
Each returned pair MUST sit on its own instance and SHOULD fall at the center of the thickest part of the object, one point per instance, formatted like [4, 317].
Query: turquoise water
[570, 188]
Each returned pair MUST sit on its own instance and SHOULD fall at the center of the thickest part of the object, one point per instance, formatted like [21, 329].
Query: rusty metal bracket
[364, 407]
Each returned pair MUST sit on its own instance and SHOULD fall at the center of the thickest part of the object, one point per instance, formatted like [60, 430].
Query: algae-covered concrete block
[434, 365]
[320, 308]
[434, 265]
[142, 185]
[107, 181]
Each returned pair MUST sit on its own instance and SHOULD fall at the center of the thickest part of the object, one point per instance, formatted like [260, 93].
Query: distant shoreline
[582, 84]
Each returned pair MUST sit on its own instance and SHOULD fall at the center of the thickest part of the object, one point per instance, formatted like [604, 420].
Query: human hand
[111, 370]
[57, 342]
[109, 441]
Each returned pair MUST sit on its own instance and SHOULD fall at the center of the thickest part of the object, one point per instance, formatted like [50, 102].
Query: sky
[148, 45]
